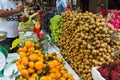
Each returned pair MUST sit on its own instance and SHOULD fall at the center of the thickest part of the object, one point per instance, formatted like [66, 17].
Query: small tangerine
[34, 75]
[22, 54]
[43, 78]
[31, 49]
[31, 78]
[33, 57]
[31, 64]
[62, 78]
[24, 72]
[38, 65]
[39, 71]
[31, 70]
[28, 44]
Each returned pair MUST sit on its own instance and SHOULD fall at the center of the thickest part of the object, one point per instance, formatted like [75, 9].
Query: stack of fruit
[55, 27]
[110, 71]
[86, 42]
[115, 21]
[34, 65]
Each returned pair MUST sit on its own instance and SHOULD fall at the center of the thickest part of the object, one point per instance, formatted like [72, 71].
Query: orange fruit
[70, 76]
[52, 70]
[31, 64]
[44, 65]
[34, 75]
[33, 57]
[31, 49]
[22, 54]
[23, 66]
[50, 55]
[57, 67]
[62, 67]
[57, 70]
[58, 74]
[65, 75]
[43, 78]
[53, 75]
[19, 67]
[25, 61]
[17, 63]
[49, 78]
[22, 49]
[28, 54]
[60, 60]
[28, 76]
[38, 65]
[37, 45]
[42, 56]
[56, 62]
[31, 78]
[31, 70]
[62, 78]
[63, 71]
[20, 59]
[40, 59]
[21, 78]
[39, 71]
[24, 72]
[38, 52]
[28, 44]
[53, 53]
[53, 63]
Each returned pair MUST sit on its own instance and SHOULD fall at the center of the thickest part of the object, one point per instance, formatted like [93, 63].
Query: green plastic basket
[4, 51]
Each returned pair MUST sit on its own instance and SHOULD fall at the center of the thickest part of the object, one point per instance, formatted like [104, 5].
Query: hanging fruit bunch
[87, 41]
[33, 64]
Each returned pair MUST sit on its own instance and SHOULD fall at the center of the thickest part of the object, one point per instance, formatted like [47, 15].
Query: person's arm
[6, 13]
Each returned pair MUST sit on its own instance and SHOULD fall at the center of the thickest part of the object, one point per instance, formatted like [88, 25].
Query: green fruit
[55, 27]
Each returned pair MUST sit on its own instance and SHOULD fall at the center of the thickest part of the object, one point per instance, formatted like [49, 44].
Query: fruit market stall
[85, 41]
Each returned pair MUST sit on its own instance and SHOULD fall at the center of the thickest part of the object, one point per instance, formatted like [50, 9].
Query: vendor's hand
[20, 8]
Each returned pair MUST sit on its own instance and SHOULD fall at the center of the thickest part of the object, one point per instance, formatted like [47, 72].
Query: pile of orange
[32, 63]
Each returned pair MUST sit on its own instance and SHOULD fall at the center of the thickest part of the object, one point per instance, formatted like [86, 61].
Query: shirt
[60, 5]
[9, 24]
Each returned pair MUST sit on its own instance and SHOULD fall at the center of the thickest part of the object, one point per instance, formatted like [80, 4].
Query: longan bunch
[86, 42]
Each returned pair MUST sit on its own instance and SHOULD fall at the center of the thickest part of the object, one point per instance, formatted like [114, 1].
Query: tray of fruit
[107, 71]
[35, 64]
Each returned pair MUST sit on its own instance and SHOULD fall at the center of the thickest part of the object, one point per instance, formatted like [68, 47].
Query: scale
[3, 57]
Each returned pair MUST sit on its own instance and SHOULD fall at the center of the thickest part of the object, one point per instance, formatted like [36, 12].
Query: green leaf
[17, 78]
[14, 61]
[15, 43]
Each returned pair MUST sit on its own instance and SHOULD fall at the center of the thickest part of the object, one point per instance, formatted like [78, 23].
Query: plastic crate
[95, 74]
